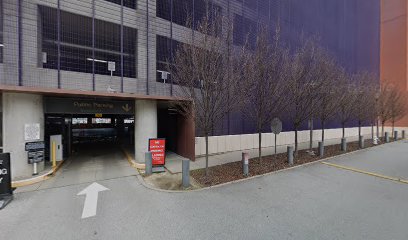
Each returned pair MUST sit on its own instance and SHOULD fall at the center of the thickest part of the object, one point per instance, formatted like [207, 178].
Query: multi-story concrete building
[66, 65]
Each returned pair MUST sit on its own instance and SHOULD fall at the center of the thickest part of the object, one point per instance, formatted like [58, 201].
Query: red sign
[158, 149]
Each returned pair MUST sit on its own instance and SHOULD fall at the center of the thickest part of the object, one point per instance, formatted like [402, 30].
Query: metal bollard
[148, 163]
[290, 155]
[361, 142]
[186, 173]
[35, 171]
[245, 163]
[321, 149]
[395, 135]
[387, 137]
[403, 134]
[344, 145]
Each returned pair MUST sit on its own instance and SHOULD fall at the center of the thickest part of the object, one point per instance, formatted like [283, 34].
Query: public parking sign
[158, 149]
[6, 192]
[5, 174]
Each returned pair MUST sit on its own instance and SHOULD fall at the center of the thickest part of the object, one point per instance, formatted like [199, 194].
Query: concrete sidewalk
[174, 164]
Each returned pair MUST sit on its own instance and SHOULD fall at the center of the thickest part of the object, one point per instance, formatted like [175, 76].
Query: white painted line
[91, 199]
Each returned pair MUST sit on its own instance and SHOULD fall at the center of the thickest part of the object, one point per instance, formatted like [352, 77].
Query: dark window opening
[166, 49]
[126, 3]
[163, 9]
[76, 44]
[184, 11]
[205, 8]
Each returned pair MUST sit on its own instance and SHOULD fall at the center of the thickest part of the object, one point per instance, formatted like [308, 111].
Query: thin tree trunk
[359, 129]
[296, 140]
[260, 146]
[382, 129]
[372, 130]
[206, 155]
[323, 132]
[393, 124]
[311, 135]
[344, 129]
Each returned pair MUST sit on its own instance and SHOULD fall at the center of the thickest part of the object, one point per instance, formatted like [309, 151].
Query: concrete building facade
[103, 52]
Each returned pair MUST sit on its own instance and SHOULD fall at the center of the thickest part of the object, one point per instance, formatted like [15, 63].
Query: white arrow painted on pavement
[91, 199]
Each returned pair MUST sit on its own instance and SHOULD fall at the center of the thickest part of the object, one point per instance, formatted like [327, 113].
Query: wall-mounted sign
[158, 149]
[87, 106]
[34, 146]
[32, 132]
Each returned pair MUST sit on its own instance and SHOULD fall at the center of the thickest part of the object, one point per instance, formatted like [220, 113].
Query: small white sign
[32, 132]
[112, 66]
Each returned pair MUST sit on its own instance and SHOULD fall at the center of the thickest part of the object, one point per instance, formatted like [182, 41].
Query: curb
[137, 166]
[141, 179]
[37, 179]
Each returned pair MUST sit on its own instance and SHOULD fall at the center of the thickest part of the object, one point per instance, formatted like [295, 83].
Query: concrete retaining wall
[230, 143]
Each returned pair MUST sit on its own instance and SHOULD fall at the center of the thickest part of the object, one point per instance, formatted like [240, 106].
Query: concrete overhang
[83, 93]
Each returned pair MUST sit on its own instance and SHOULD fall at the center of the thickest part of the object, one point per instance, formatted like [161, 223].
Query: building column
[19, 110]
[145, 126]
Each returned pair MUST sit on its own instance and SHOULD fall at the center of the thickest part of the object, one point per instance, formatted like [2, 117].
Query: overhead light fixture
[97, 60]
[1, 45]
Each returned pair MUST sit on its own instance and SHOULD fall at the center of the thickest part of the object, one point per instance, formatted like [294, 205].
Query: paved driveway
[312, 202]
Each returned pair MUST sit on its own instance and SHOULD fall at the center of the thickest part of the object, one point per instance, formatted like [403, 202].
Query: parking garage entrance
[79, 126]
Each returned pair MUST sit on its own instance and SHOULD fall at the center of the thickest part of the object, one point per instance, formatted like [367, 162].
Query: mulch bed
[233, 171]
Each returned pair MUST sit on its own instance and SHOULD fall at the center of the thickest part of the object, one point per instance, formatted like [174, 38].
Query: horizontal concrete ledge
[84, 93]
[37, 179]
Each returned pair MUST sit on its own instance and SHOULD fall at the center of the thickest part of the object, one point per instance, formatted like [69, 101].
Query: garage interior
[85, 130]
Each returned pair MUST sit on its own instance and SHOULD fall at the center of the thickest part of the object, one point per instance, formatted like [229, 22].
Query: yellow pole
[54, 155]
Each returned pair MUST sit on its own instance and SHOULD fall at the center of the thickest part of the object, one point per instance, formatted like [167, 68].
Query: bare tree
[383, 105]
[397, 105]
[202, 70]
[346, 101]
[330, 95]
[262, 79]
[365, 101]
[302, 76]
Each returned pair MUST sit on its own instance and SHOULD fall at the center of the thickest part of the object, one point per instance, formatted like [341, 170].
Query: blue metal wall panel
[349, 29]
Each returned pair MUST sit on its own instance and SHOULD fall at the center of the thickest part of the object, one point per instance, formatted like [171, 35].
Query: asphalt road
[311, 202]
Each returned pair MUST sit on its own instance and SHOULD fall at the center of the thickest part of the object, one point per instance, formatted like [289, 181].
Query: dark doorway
[167, 127]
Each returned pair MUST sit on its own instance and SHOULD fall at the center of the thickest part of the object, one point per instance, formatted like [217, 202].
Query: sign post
[157, 146]
[6, 192]
[35, 154]
[111, 69]
[276, 128]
